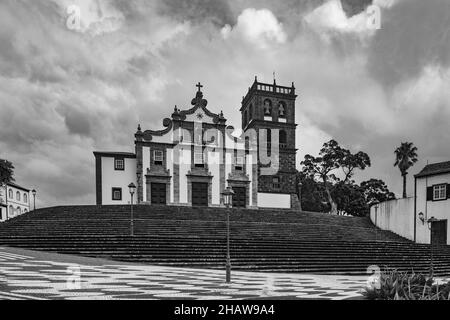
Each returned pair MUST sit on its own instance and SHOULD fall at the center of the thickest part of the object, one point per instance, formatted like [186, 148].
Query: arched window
[282, 109]
[283, 139]
[11, 211]
[18, 196]
[247, 143]
[25, 198]
[18, 211]
[267, 107]
[10, 194]
[25, 210]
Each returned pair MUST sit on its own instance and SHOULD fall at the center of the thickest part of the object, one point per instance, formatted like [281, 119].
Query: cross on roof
[199, 86]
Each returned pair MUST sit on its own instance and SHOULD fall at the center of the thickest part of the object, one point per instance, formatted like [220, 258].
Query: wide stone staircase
[263, 240]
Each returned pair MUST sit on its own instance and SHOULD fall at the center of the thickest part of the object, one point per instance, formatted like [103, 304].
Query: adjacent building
[432, 199]
[424, 217]
[14, 201]
[197, 155]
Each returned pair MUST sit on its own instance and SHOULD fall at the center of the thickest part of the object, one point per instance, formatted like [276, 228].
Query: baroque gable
[199, 113]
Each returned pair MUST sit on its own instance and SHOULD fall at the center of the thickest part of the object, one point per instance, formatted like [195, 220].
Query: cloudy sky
[65, 93]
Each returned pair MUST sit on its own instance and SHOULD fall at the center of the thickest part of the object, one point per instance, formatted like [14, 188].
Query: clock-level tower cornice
[268, 90]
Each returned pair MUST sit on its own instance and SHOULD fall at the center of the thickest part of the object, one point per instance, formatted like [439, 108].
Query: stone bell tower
[269, 109]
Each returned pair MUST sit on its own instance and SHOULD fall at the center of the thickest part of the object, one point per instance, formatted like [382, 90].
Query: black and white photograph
[234, 153]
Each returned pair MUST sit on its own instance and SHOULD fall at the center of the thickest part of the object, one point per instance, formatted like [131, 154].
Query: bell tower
[269, 109]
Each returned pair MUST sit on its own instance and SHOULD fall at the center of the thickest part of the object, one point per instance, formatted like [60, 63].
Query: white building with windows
[424, 217]
[14, 201]
[197, 156]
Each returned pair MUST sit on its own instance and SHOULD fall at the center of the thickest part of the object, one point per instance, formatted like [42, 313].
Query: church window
[250, 112]
[158, 157]
[119, 164]
[18, 196]
[245, 117]
[282, 109]
[276, 183]
[10, 194]
[267, 107]
[117, 194]
[283, 139]
[239, 163]
[199, 159]
[25, 198]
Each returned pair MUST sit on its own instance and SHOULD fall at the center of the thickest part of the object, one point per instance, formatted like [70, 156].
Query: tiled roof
[434, 168]
[114, 154]
[15, 185]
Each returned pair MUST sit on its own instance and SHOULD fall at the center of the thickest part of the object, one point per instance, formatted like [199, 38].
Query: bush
[396, 285]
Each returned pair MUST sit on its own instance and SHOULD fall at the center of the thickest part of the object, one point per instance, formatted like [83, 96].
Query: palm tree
[405, 157]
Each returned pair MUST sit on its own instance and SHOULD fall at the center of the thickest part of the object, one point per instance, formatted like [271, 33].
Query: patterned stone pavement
[34, 275]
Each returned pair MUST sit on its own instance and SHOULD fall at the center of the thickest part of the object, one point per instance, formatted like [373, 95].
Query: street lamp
[430, 225]
[34, 199]
[132, 189]
[228, 201]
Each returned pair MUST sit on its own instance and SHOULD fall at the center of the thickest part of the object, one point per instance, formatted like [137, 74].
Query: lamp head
[421, 217]
[228, 196]
[132, 188]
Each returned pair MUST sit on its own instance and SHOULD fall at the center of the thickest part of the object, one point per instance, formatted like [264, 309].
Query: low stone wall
[396, 216]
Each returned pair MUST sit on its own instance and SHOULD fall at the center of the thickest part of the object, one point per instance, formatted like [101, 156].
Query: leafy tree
[332, 157]
[350, 162]
[312, 194]
[375, 190]
[322, 167]
[405, 157]
[350, 199]
[6, 172]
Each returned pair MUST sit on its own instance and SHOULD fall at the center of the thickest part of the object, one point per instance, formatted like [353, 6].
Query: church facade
[197, 155]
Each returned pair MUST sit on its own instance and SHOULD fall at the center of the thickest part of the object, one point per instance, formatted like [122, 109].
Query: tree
[405, 157]
[350, 199]
[350, 162]
[323, 166]
[375, 190]
[6, 172]
[312, 194]
[332, 157]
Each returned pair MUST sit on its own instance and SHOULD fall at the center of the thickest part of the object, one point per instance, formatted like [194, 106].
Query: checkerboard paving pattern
[27, 277]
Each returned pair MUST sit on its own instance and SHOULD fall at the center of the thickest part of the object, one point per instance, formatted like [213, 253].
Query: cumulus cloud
[260, 27]
[331, 18]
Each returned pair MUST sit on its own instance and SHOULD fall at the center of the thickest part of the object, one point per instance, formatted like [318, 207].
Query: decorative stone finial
[198, 100]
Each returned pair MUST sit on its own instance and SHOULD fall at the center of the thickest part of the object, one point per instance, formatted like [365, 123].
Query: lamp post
[138, 175]
[228, 200]
[34, 199]
[430, 225]
[132, 189]
[300, 185]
